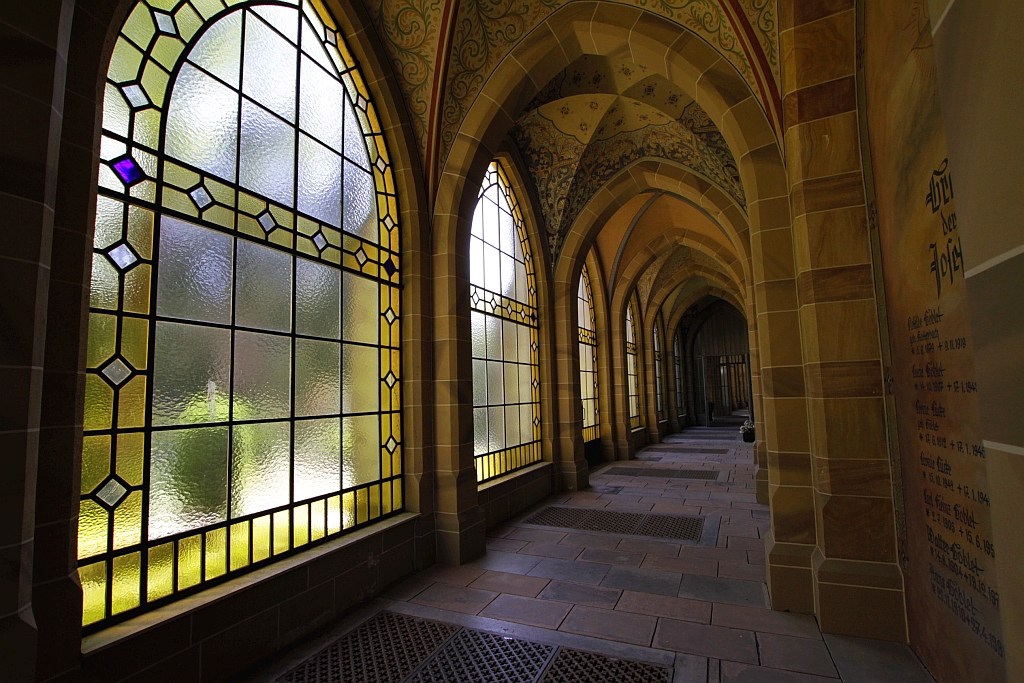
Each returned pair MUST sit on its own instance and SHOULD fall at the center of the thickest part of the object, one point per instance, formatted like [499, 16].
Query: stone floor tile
[729, 591]
[607, 541]
[542, 613]
[744, 571]
[455, 576]
[611, 557]
[581, 594]
[860, 660]
[720, 554]
[621, 497]
[564, 552]
[507, 545]
[741, 543]
[676, 508]
[755, 556]
[734, 672]
[515, 584]
[536, 535]
[637, 545]
[708, 641]
[408, 589]
[601, 623]
[765, 621]
[795, 654]
[643, 580]
[455, 598]
[630, 507]
[567, 570]
[512, 563]
[682, 609]
[683, 565]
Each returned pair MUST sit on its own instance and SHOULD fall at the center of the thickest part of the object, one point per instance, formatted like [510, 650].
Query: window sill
[161, 615]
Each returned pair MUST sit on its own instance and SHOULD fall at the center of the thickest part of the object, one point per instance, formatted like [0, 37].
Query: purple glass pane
[128, 170]
[390, 267]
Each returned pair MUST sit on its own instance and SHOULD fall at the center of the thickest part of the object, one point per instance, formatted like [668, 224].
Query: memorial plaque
[949, 566]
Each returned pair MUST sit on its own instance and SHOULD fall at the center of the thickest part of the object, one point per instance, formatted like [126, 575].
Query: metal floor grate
[627, 523]
[386, 648]
[572, 666]
[394, 648]
[660, 472]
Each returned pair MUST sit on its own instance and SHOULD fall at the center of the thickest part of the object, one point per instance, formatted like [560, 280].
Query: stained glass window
[242, 389]
[659, 397]
[677, 347]
[632, 380]
[588, 357]
[503, 294]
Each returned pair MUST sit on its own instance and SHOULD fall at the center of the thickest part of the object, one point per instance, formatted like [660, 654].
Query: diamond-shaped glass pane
[391, 444]
[389, 222]
[202, 198]
[112, 492]
[136, 95]
[117, 372]
[129, 171]
[123, 256]
[380, 164]
[165, 23]
[389, 266]
[266, 221]
[362, 257]
[390, 316]
[361, 102]
[320, 241]
[390, 379]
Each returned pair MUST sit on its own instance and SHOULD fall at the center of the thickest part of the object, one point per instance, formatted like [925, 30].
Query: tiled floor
[702, 610]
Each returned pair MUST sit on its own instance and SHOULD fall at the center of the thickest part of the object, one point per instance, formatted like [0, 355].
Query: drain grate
[386, 648]
[485, 657]
[630, 523]
[573, 666]
[392, 648]
[661, 472]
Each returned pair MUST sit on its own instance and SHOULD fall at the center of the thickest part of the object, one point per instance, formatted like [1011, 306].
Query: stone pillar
[572, 465]
[858, 587]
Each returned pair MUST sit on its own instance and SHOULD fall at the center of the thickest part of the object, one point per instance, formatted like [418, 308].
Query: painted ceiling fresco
[443, 51]
[600, 115]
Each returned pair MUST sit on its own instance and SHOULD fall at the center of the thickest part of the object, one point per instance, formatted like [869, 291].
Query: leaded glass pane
[504, 332]
[222, 280]
[658, 394]
[632, 377]
[587, 327]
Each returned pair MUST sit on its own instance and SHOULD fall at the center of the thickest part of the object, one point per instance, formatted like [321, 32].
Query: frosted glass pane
[479, 382]
[219, 50]
[360, 439]
[525, 383]
[477, 229]
[512, 383]
[260, 458]
[512, 426]
[312, 45]
[508, 276]
[191, 374]
[267, 165]
[526, 422]
[492, 269]
[360, 379]
[319, 181]
[284, 19]
[269, 69]
[263, 287]
[360, 203]
[508, 236]
[202, 123]
[319, 96]
[317, 377]
[510, 341]
[262, 376]
[493, 335]
[522, 284]
[194, 272]
[317, 457]
[360, 309]
[317, 299]
[476, 260]
[188, 479]
[479, 431]
[495, 429]
[355, 143]
[524, 343]
[495, 382]
[477, 326]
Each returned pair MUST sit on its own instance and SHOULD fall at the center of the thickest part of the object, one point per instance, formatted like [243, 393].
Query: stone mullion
[621, 432]
[854, 555]
[569, 430]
